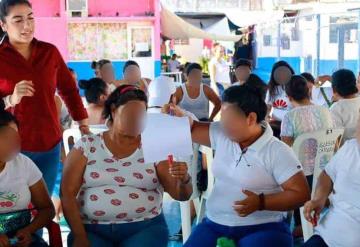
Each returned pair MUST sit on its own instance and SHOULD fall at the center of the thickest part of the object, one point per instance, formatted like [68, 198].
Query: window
[347, 24]
[267, 40]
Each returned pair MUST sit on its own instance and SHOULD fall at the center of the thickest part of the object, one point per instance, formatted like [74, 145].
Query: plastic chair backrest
[76, 135]
[193, 171]
[209, 159]
[325, 144]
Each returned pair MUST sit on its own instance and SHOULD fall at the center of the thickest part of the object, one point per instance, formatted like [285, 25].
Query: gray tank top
[199, 106]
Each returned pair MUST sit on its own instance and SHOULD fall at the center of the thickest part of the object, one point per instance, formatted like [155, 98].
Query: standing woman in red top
[31, 71]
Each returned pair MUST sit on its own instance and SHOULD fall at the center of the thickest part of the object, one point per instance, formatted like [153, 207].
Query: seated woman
[110, 196]
[257, 83]
[132, 76]
[345, 110]
[96, 93]
[305, 117]
[257, 176]
[340, 226]
[310, 82]
[104, 70]
[21, 183]
[194, 96]
[278, 103]
[243, 69]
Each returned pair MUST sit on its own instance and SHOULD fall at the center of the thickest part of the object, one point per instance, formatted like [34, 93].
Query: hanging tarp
[174, 27]
[249, 18]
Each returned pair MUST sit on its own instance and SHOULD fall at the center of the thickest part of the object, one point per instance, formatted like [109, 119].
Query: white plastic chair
[327, 142]
[185, 206]
[211, 180]
[76, 135]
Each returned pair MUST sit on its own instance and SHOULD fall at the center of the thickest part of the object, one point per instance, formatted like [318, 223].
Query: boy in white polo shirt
[341, 225]
[257, 177]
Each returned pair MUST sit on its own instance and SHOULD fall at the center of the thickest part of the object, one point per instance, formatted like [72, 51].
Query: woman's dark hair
[257, 83]
[99, 64]
[5, 6]
[247, 99]
[309, 77]
[6, 117]
[129, 63]
[192, 66]
[273, 83]
[297, 88]
[243, 62]
[121, 96]
[344, 82]
[93, 88]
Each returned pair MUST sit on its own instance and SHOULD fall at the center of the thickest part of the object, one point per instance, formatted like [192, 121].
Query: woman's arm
[175, 179]
[45, 213]
[323, 189]
[41, 201]
[200, 131]
[178, 95]
[74, 168]
[215, 99]
[69, 92]
[212, 72]
[295, 193]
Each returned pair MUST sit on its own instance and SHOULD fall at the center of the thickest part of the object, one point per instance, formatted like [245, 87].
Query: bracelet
[186, 182]
[262, 202]
[7, 102]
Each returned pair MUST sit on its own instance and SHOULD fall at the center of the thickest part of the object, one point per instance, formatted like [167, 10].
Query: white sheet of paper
[165, 135]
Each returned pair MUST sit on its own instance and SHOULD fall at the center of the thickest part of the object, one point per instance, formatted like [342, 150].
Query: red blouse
[39, 121]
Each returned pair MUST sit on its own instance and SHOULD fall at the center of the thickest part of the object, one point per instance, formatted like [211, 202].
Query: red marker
[170, 160]
[315, 220]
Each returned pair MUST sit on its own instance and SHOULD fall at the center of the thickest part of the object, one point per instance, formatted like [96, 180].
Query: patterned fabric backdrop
[90, 41]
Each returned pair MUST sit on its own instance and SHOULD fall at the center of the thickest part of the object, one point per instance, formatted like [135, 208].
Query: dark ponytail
[94, 65]
[6, 117]
[121, 96]
[93, 88]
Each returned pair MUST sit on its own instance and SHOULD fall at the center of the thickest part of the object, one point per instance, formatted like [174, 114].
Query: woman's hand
[84, 130]
[322, 79]
[173, 110]
[22, 89]
[4, 241]
[312, 210]
[81, 242]
[24, 238]
[249, 205]
[179, 170]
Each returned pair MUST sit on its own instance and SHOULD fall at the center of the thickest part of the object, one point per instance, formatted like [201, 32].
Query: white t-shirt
[340, 227]
[280, 103]
[174, 65]
[18, 175]
[345, 114]
[266, 165]
[222, 71]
